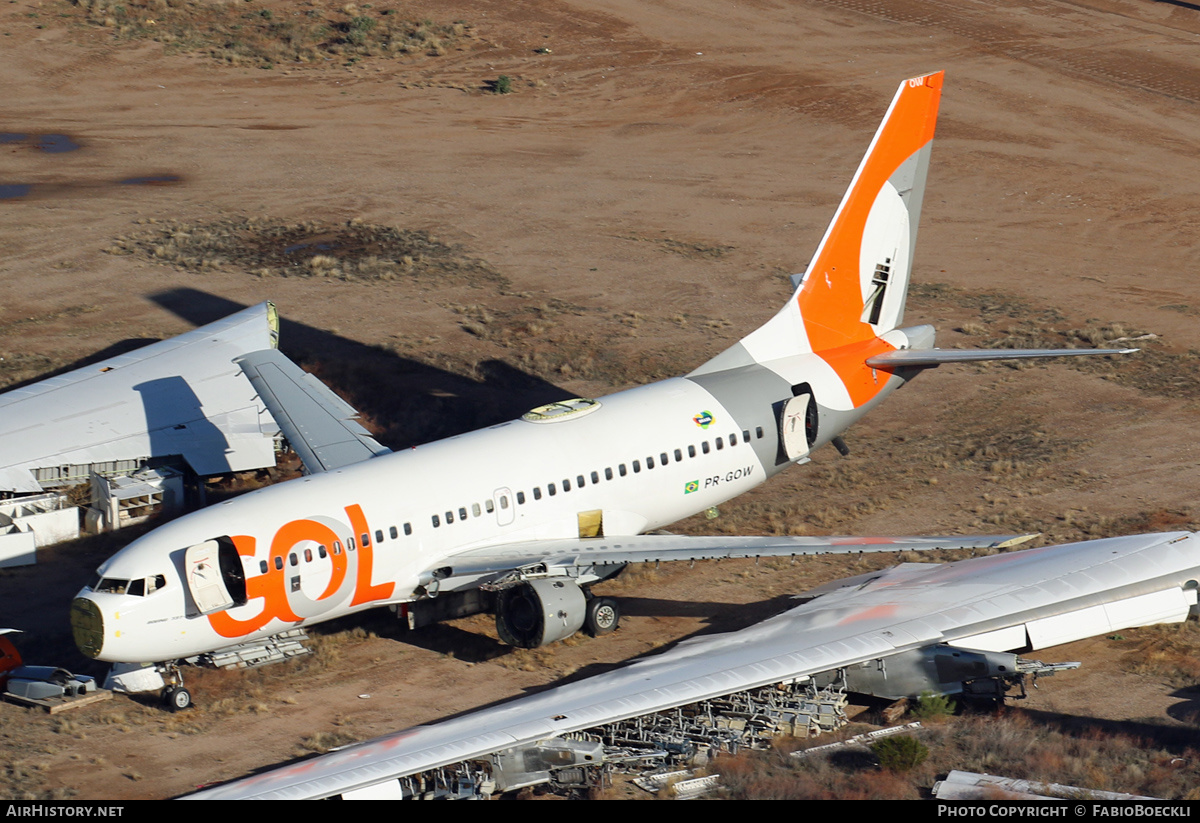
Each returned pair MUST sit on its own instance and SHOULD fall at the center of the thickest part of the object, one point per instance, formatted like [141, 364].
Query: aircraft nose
[87, 625]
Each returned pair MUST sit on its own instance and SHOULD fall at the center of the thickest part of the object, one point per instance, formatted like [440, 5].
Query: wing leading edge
[478, 565]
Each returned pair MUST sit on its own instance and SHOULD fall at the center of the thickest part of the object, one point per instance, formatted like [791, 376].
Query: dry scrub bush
[237, 34]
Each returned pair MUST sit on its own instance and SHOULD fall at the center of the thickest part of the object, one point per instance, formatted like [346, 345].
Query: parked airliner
[527, 514]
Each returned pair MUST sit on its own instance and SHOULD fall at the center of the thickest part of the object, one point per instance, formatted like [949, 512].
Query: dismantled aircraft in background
[535, 510]
[943, 628]
[181, 402]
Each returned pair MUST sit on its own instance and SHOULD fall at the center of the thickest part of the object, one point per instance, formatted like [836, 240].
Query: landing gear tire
[603, 615]
[178, 698]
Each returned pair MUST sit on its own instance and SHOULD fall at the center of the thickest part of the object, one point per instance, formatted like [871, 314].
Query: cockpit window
[112, 585]
[138, 588]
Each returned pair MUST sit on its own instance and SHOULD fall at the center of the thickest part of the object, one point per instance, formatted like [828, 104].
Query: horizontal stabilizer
[929, 358]
[318, 424]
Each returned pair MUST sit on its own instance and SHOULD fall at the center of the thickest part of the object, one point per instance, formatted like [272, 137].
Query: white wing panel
[1169, 606]
[389, 790]
[1064, 628]
[869, 617]
[1001, 640]
[182, 396]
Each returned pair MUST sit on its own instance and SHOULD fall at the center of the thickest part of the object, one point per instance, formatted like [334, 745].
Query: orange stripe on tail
[832, 300]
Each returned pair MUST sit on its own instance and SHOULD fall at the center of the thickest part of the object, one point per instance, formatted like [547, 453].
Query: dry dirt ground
[630, 208]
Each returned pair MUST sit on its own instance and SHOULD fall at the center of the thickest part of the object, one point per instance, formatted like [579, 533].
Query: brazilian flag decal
[693, 486]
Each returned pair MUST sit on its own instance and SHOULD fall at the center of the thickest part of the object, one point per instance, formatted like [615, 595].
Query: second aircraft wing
[1030, 598]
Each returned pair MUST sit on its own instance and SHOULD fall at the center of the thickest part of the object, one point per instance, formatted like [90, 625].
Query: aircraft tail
[855, 286]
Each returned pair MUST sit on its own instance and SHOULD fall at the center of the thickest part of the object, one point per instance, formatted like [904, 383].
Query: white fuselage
[645, 458]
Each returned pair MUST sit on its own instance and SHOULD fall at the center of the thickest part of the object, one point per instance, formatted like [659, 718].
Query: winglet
[1017, 541]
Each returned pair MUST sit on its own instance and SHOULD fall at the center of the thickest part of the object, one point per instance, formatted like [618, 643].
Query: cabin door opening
[794, 426]
[506, 513]
[214, 576]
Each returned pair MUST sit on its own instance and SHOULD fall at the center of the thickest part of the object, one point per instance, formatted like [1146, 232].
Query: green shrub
[931, 705]
[901, 753]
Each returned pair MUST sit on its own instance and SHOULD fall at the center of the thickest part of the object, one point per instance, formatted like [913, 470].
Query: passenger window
[349, 544]
[566, 485]
[462, 513]
[337, 547]
[436, 521]
[521, 498]
[449, 518]
[595, 478]
[408, 528]
[504, 501]
[720, 443]
[621, 470]
[537, 492]
[704, 447]
[550, 488]
[475, 510]
[279, 562]
[678, 455]
[379, 536]
[608, 474]
[308, 555]
[745, 435]
[637, 466]
[366, 540]
[393, 532]
[489, 506]
[662, 458]
[733, 439]
[691, 451]
[262, 567]
[293, 559]
[322, 552]
[579, 481]
[758, 432]
[650, 462]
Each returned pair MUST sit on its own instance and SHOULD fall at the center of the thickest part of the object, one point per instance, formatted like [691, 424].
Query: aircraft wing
[319, 425]
[929, 358]
[494, 562]
[1049, 595]
[181, 396]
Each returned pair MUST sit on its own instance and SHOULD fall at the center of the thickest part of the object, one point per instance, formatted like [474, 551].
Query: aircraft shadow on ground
[407, 401]
[1151, 730]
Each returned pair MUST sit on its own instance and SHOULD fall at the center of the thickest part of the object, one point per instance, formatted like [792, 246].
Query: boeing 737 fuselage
[537, 509]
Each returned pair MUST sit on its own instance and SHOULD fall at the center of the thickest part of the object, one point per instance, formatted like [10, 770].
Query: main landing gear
[602, 616]
[177, 698]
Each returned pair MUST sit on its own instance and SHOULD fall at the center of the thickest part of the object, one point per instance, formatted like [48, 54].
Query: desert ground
[633, 204]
